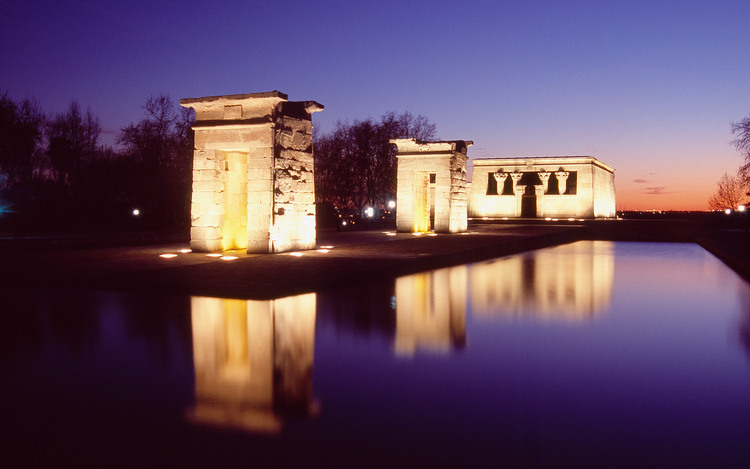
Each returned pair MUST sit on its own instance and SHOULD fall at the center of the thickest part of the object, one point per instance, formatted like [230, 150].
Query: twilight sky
[647, 86]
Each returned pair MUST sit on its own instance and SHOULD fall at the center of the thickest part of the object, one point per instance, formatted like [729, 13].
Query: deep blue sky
[649, 87]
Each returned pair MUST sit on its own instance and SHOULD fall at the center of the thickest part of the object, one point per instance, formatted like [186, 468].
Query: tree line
[56, 175]
[355, 165]
[733, 190]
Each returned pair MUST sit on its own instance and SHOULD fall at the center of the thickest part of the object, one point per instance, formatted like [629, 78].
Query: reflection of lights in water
[572, 282]
[168, 255]
[253, 362]
[431, 311]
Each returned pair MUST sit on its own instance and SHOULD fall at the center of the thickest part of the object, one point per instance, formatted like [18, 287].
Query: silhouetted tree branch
[356, 166]
[161, 145]
[730, 193]
[21, 132]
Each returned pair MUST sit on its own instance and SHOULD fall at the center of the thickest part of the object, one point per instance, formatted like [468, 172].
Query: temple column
[562, 181]
[500, 178]
[544, 176]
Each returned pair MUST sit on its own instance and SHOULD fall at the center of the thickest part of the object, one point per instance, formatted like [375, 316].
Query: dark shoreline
[131, 262]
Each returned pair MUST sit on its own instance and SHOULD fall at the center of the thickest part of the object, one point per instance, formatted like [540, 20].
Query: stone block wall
[253, 184]
[594, 195]
[418, 198]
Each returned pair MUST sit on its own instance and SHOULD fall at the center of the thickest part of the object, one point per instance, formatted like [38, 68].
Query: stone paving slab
[351, 257]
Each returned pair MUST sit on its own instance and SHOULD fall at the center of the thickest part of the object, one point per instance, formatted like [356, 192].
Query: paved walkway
[342, 258]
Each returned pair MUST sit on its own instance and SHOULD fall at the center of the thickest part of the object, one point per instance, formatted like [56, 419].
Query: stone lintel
[188, 102]
[552, 163]
[247, 109]
[414, 147]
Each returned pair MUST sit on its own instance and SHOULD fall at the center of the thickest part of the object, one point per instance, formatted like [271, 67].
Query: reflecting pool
[593, 354]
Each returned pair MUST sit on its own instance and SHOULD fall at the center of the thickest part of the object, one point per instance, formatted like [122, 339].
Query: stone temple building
[544, 187]
[431, 185]
[253, 184]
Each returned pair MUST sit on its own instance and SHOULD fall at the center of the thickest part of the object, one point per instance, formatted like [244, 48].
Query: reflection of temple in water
[569, 282]
[431, 311]
[253, 361]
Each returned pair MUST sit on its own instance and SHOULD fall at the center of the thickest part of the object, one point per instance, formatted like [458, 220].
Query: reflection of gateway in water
[431, 311]
[570, 282]
[253, 361]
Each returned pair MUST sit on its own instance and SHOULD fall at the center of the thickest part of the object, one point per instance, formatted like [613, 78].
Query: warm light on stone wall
[572, 282]
[592, 194]
[253, 361]
[253, 184]
[431, 311]
[431, 185]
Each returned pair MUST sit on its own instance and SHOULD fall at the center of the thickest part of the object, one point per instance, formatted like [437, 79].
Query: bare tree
[21, 132]
[731, 192]
[161, 146]
[355, 165]
[741, 130]
[73, 142]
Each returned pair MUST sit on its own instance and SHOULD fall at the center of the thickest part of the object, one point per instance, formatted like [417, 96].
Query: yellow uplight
[323, 250]
[296, 254]
[185, 251]
[167, 255]
[213, 254]
[228, 258]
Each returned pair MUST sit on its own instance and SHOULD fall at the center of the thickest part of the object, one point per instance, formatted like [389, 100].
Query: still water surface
[589, 354]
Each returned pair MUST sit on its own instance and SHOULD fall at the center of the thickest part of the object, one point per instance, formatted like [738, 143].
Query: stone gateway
[431, 185]
[253, 184]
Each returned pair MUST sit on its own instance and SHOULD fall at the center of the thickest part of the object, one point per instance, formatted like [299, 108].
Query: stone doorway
[528, 202]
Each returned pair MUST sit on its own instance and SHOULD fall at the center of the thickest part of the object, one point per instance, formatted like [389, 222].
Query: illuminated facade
[545, 187]
[253, 361]
[431, 185]
[253, 184]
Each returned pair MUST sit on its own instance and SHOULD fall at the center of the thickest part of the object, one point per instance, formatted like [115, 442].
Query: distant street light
[391, 204]
[136, 212]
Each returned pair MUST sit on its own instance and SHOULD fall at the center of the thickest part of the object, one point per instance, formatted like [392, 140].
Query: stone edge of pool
[355, 257]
